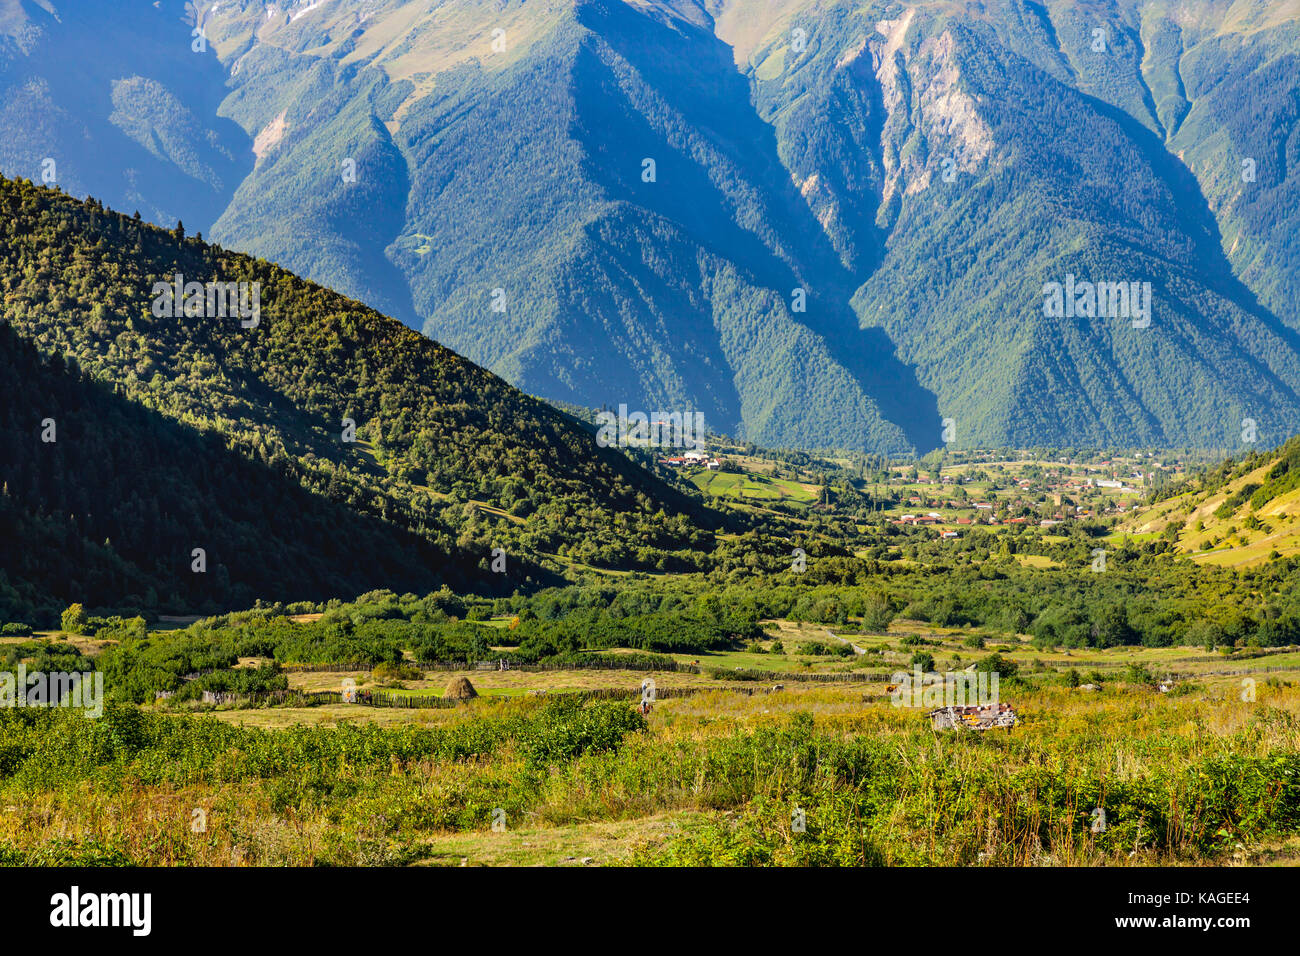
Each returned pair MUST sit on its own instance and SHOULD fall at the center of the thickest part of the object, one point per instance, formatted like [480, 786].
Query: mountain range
[822, 223]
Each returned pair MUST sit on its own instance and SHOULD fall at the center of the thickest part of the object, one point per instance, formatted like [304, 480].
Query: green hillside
[1243, 514]
[185, 432]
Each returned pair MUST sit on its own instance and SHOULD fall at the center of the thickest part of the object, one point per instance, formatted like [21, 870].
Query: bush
[997, 664]
[74, 619]
[391, 671]
[1137, 674]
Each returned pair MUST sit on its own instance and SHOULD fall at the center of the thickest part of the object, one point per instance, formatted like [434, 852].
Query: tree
[1111, 628]
[74, 619]
[997, 664]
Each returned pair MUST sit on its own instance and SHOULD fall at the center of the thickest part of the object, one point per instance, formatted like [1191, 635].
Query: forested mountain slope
[228, 434]
[853, 209]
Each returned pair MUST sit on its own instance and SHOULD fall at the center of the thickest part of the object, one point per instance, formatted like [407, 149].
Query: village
[1025, 492]
[947, 491]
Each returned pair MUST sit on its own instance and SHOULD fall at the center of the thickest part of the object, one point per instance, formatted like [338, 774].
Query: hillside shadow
[123, 473]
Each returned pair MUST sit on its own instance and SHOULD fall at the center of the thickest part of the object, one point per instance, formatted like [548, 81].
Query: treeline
[384, 632]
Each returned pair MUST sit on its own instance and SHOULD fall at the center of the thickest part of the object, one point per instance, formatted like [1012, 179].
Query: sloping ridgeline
[193, 432]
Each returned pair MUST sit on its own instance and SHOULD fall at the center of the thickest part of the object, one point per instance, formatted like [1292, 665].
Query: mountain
[822, 223]
[134, 433]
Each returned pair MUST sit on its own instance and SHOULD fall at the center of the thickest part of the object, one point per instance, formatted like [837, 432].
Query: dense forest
[170, 434]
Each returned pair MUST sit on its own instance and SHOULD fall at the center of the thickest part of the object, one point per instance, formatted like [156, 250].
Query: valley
[964, 531]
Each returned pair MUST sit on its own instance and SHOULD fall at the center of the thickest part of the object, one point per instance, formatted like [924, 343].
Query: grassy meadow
[1204, 773]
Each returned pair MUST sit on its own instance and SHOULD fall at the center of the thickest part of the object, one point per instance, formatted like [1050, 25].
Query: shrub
[74, 619]
[392, 671]
[997, 664]
[1137, 674]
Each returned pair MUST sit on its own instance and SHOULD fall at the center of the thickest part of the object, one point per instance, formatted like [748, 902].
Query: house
[690, 458]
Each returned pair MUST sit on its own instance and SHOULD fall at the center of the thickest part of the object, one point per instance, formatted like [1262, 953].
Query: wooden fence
[379, 698]
[614, 664]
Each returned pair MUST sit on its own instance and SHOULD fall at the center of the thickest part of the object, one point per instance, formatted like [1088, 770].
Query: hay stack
[460, 689]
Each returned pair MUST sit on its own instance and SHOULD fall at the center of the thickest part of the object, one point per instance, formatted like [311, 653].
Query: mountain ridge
[800, 266]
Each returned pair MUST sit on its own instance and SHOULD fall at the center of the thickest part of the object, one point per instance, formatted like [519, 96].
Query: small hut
[460, 689]
[980, 717]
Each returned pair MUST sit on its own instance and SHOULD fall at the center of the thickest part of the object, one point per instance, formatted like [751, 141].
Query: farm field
[1158, 691]
[753, 486]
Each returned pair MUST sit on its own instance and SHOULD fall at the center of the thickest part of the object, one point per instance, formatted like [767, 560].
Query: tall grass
[1179, 780]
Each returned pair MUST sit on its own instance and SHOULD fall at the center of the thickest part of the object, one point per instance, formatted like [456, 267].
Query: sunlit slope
[1241, 515]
